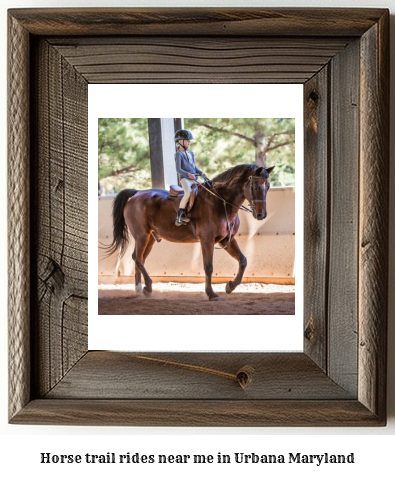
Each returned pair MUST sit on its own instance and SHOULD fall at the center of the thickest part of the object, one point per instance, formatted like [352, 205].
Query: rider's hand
[192, 176]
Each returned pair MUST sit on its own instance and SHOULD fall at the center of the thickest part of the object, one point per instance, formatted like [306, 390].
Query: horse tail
[120, 229]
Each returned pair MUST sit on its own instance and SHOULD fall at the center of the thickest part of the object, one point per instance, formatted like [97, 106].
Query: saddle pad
[175, 190]
[176, 193]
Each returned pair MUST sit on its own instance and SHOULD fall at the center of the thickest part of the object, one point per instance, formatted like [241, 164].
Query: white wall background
[21, 445]
[269, 246]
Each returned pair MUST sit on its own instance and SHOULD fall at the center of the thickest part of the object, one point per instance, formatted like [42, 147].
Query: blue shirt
[185, 163]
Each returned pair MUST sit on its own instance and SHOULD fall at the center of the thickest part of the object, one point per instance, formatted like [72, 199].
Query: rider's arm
[198, 171]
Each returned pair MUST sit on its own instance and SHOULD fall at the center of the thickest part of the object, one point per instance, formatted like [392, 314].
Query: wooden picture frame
[342, 58]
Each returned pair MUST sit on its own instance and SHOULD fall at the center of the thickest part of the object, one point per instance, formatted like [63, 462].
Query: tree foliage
[124, 157]
[220, 143]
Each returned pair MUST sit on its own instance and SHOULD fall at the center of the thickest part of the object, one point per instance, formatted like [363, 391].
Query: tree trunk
[260, 148]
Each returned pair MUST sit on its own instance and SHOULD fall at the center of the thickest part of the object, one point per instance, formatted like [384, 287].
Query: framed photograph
[340, 60]
[140, 152]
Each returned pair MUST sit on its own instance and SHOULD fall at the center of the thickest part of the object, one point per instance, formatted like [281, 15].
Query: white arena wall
[269, 246]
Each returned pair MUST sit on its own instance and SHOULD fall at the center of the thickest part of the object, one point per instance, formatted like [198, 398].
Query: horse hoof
[147, 292]
[139, 289]
[214, 298]
[229, 288]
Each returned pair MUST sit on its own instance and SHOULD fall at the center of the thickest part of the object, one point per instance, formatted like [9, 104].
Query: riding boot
[181, 219]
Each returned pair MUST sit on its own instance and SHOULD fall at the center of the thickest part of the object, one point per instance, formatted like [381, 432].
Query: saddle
[176, 193]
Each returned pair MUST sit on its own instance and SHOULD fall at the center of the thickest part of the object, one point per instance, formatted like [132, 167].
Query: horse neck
[233, 195]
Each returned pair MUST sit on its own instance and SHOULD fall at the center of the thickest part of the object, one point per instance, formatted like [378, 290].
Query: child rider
[187, 169]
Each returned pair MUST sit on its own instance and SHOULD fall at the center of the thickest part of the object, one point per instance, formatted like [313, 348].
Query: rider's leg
[181, 217]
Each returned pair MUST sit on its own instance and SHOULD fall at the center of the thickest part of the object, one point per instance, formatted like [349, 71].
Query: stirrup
[181, 220]
[180, 223]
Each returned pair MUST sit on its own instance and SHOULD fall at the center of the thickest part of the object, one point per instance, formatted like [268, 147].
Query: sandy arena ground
[190, 299]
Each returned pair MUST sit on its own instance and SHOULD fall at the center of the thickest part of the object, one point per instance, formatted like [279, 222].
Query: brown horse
[214, 219]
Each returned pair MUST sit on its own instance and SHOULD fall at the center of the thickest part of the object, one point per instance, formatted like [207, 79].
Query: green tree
[123, 148]
[124, 155]
[223, 142]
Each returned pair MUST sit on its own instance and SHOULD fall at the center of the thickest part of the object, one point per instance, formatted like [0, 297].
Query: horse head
[255, 191]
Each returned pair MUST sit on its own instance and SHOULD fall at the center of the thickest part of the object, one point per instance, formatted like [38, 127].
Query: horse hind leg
[138, 287]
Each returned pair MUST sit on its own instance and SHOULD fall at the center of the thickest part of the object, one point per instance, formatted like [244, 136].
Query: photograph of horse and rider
[176, 195]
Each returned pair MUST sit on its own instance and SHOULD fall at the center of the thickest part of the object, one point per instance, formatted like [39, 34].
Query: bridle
[252, 200]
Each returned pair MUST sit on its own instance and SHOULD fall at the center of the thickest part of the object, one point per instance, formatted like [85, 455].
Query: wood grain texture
[373, 235]
[186, 60]
[260, 22]
[18, 218]
[201, 413]
[61, 203]
[343, 220]
[283, 376]
[317, 387]
[316, 214]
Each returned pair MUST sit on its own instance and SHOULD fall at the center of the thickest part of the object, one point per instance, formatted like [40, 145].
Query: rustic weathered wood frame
[341, 56]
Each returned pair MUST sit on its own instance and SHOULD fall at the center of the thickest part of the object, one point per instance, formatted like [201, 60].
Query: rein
[242, 207]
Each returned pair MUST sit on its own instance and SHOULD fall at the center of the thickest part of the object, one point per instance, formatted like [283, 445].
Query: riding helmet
[183, 134]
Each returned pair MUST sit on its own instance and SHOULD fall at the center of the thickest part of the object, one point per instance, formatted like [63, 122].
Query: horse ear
[258, 171]
[269, 170]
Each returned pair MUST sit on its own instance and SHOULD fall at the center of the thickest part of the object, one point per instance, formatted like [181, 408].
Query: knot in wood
[313, 96]
[244, 376]
[308, 332]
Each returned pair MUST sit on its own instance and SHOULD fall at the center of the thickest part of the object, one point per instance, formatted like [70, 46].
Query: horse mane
[234, 176]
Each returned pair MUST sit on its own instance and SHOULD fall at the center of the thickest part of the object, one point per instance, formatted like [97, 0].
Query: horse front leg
[233, 249]
[208, 251]
[140, 254]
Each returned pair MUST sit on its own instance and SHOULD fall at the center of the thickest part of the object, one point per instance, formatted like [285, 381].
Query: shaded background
[219, 144]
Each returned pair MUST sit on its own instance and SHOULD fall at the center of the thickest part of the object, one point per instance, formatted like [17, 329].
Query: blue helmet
[183, 134]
